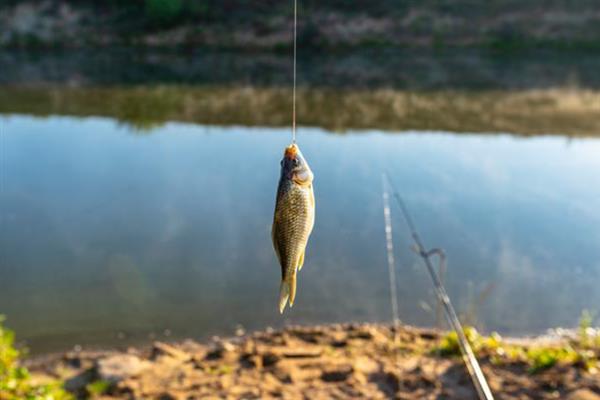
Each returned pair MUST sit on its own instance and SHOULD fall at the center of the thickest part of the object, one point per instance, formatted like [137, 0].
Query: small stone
[163, 349]
[387, 380]
[221, 350]
[283, 374]
[240, 331]
[362, 333]
[78, 382]
[365, 365]
[360, 377]
[196, 350]
[118, 367]
[302, 352]
[227, 346]
[73, 359]
[244, 392]
[270, 382]
[583, 394]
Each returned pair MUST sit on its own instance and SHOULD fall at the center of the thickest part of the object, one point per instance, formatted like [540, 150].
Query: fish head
[295, 167]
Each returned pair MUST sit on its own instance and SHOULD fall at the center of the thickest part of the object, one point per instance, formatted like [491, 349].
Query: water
[137, 189]
[111, 237]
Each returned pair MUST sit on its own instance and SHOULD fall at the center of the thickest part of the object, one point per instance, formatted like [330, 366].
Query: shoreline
[327, 361]
[568, 112]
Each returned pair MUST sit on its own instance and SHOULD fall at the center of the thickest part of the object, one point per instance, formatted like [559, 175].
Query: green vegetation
[224, 369]
[16, 383]
[582, 351]
[97, 388]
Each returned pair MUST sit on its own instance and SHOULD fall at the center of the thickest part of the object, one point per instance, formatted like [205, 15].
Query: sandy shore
[336, 361]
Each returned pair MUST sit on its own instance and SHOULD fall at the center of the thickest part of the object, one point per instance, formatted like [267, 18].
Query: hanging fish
[293, 220]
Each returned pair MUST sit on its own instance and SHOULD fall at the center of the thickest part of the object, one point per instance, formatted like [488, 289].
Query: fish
[293, 220]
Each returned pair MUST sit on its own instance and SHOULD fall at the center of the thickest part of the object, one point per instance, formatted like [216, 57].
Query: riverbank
[267, 25]
[568, 112]
[335, 361]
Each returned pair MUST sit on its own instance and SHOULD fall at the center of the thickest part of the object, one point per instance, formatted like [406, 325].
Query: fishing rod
[471, 363]
[389, 244]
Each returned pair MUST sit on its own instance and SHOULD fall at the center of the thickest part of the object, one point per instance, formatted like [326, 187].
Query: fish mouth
[291, 152]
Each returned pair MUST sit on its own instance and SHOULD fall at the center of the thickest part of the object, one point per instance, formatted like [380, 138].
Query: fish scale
[295, 205]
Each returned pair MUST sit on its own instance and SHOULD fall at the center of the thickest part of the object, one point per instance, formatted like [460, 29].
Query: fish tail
[284, 294]
[292, 285]
[287, 291]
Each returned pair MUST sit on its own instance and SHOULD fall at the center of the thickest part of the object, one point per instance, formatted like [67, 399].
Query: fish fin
[287, 291]
[301, 260]
[292, 288]
[284, 294]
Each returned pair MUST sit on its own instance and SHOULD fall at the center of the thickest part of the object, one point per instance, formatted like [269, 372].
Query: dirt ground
[323, 362]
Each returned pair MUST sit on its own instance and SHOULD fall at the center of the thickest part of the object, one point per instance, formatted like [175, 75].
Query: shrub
[15, 380]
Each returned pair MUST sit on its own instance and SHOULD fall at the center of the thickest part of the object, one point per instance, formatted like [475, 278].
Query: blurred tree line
[162, 13]
[495, 23]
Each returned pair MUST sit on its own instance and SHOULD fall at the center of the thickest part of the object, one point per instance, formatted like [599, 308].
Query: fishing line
[471, 363]
[294, 90]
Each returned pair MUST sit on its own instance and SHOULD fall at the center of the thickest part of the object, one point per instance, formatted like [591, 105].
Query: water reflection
[109, 234]
[379, 67]
[458, 90]
[560, 111]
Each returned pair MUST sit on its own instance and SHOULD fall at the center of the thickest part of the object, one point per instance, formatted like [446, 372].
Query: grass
[97, 388]
[16, 382]
[582, 351]
[223, 369]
